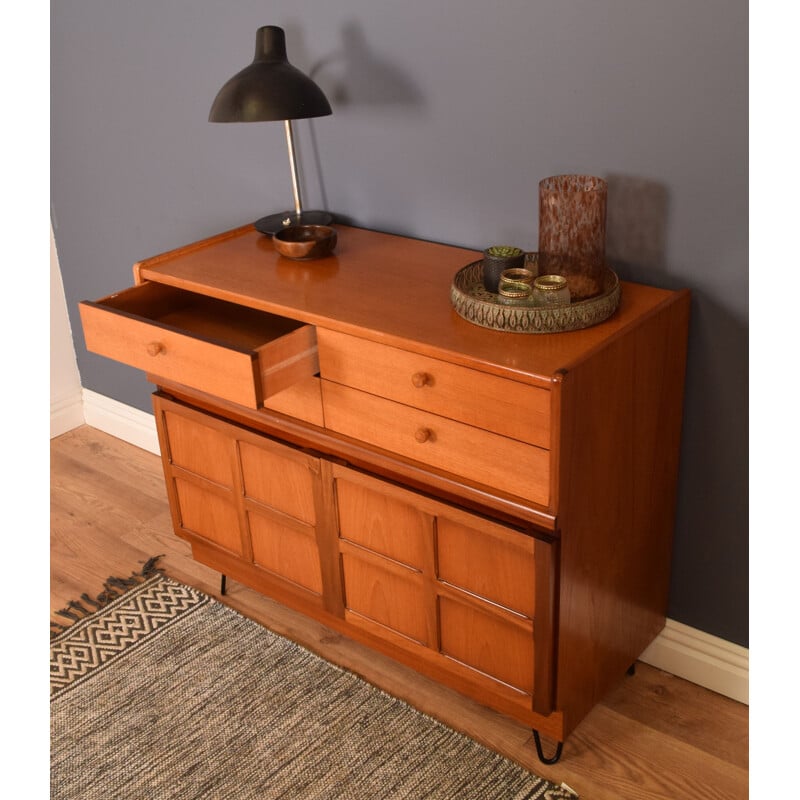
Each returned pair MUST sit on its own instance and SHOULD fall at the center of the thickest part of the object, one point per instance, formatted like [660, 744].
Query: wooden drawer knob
[423, 435]
[420, 379]
[154, 348]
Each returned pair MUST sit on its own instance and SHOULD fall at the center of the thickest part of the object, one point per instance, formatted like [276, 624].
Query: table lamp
[271, 89]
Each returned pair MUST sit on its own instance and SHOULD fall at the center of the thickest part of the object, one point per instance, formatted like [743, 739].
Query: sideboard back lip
[153, 261]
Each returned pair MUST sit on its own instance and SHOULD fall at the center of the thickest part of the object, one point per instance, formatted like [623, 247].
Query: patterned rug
[162, 692]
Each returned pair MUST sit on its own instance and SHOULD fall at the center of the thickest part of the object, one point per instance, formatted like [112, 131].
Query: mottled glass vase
[572, 232]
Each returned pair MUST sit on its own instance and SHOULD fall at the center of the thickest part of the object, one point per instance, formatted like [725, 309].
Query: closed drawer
[505, 464]
[476, 398]
[236, 353]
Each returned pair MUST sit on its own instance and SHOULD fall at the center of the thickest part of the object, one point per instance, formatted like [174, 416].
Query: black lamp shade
[270, 88]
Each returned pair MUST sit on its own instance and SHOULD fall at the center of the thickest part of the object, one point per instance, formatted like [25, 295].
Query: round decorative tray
[476, 304]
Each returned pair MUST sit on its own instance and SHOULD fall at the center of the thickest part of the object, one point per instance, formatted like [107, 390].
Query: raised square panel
[494, 563]
[488, 643]
[279, 478]
[208, 515]
[199, 449]
[386, 596]
[286, 551]
[383, 524]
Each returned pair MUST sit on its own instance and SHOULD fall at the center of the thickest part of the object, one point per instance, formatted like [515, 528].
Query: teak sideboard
[492, 509]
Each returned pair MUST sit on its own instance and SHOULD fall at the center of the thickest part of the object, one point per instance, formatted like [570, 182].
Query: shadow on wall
[356, 76]
[710, 586]
[709, 579]
[636, 226]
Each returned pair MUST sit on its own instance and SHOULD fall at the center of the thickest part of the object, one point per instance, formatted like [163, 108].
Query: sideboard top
[386, 288]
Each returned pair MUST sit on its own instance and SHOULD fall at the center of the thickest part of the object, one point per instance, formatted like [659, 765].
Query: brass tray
[476, 304]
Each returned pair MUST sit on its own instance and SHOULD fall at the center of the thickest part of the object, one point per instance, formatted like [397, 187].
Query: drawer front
[235, 353]
[485, 458]
[476, 398]
[302, 400]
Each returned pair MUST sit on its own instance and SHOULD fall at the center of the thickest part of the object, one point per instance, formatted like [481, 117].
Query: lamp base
[276, 222]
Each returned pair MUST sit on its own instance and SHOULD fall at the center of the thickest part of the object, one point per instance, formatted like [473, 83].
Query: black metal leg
[632, 669]
[538, 742]
[222, 582]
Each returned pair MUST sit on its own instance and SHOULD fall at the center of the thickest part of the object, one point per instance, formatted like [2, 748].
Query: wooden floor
[654, 736]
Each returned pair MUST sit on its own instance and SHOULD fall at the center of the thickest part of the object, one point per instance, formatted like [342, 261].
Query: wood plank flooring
[655, 736]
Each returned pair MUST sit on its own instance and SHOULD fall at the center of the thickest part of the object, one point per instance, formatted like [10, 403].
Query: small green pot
[498, 258]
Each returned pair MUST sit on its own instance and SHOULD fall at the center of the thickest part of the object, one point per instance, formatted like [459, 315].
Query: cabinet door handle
[420, 379]
[154, 348]
[423, 435]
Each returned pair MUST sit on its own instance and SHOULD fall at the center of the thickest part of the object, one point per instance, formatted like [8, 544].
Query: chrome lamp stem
[298, 208]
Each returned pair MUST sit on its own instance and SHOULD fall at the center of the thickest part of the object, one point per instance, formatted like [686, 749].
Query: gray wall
[447, 113]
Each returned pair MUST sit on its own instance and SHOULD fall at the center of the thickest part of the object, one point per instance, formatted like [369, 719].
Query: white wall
[66, 408]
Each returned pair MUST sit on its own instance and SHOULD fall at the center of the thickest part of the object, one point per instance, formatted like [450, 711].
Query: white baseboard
[688, 653]
[117, 419]
[703, 659]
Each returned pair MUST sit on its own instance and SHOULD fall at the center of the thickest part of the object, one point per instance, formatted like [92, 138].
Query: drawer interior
[207, 318]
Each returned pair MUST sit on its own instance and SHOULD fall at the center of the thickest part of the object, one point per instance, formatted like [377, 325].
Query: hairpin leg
[538, 742]
[222, 582]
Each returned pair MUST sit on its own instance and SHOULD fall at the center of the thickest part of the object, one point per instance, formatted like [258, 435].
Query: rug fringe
[113, 587]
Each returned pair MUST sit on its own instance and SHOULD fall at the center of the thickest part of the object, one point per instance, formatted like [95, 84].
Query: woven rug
[164, 692]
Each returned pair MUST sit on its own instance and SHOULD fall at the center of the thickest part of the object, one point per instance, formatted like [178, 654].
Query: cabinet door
[247, 495]
[468, 594]
[200, 460]
[279, 490]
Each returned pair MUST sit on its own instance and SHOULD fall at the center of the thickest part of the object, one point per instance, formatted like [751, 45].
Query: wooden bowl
[304, 242]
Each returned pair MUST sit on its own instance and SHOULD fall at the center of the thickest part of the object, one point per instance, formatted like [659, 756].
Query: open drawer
[233, 352]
